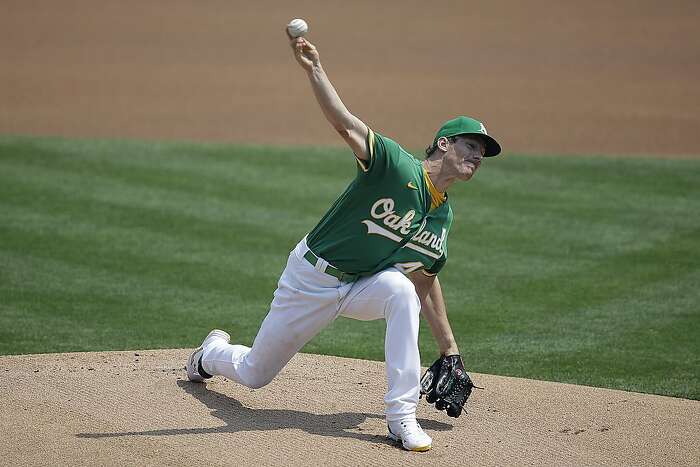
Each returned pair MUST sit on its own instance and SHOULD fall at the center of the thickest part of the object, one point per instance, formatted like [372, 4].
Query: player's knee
[256, 376]
[257, 384]
[258, 381]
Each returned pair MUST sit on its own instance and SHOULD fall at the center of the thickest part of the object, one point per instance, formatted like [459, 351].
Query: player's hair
[432, 148]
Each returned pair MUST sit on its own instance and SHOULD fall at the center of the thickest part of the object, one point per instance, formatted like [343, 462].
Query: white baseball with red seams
[297, 27]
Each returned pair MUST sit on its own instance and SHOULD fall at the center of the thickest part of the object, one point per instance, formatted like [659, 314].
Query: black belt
[335, 272]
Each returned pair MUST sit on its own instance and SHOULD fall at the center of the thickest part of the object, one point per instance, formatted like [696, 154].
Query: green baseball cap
[468, 126]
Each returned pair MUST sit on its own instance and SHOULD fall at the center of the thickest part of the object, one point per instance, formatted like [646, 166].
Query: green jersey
[383, 218]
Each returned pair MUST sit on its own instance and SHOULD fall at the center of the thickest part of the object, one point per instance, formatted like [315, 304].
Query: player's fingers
[293, 41]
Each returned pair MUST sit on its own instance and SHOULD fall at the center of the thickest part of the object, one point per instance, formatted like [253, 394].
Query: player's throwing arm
[350, 128]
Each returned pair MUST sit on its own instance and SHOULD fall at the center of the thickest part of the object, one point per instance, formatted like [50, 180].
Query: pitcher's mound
[138, 408]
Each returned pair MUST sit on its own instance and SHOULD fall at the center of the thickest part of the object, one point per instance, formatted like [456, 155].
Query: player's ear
[442, 143]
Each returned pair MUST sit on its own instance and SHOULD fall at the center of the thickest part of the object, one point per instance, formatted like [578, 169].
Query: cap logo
[483, 129]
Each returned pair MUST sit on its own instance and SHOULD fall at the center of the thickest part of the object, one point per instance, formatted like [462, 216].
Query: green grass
[575, 269]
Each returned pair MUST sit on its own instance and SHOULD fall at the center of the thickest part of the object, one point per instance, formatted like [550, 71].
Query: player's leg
[391, 296]
[305, 302]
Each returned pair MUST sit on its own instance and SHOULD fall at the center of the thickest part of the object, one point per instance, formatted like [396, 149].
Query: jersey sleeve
[383, 154]
[437, 266]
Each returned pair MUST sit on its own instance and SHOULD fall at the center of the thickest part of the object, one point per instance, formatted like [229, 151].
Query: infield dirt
[545, 76]
[137, 408]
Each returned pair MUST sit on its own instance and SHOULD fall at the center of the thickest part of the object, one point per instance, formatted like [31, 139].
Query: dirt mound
[122, 408]
[546, 76]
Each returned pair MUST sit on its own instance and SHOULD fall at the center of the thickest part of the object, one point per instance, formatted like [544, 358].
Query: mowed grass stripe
[117, 189]
[67, 306]
[199, 222]
[196, 170]
[572, 269]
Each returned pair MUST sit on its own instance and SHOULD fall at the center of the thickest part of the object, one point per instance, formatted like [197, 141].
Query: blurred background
[546, 76]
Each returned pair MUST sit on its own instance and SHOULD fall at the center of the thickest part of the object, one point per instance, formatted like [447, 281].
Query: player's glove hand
[447, 385]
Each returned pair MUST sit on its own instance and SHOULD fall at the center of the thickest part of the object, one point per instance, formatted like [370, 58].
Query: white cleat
[411, 435]
[192, 365]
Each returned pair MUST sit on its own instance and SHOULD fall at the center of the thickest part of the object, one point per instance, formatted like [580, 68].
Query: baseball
[297, 27]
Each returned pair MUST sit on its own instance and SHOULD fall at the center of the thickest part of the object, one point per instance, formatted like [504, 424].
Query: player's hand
[304, 52]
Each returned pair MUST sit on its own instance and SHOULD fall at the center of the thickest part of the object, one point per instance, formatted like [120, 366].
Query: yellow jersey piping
[436, 198]
[364, 165]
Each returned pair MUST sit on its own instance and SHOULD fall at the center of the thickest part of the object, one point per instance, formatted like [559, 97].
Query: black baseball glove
[447, 385]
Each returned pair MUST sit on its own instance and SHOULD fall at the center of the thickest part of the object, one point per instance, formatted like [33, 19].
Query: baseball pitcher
[375, 254]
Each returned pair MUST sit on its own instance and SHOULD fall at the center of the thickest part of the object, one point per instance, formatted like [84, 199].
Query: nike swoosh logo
[412, 186]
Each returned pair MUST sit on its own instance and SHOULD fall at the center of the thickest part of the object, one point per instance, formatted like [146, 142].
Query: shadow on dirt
[237, 417]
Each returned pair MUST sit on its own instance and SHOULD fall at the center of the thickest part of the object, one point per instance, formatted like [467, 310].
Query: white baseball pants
[305, 302]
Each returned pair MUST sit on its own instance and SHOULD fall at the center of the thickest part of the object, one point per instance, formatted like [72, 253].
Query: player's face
[464, 155]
